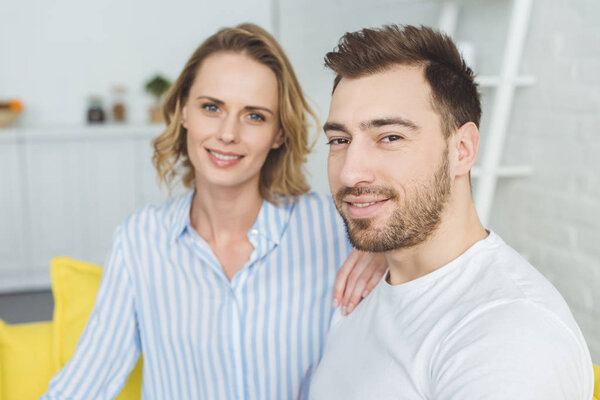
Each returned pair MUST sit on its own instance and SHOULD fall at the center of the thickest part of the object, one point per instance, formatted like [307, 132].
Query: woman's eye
[337, 141]
[391, 138]
[210, 107]
[256, 117]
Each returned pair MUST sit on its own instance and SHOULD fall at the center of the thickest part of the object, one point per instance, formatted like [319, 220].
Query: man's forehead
[387, 92]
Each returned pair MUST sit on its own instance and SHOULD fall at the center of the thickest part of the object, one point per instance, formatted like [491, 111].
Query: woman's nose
[229, 130]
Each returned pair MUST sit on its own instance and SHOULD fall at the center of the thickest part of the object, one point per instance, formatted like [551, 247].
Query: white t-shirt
[485, 326]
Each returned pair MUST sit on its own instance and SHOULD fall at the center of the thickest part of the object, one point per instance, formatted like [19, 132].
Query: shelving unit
[65, 189]
[86, 132]
[504, 85]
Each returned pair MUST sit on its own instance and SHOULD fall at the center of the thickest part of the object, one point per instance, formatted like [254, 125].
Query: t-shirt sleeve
[517, 350]
[109, 345]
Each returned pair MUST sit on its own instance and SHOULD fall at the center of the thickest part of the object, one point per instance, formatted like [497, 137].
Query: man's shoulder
[501, 276]
[504, 318]
[497, 294]
[515, 341]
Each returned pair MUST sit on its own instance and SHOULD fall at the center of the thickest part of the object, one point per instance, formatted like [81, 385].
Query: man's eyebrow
[334, 126]
[379, 122]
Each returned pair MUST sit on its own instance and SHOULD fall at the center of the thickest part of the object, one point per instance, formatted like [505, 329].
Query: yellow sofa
[596, 382]
[30, 354]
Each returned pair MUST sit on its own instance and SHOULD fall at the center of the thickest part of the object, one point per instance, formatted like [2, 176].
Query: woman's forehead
[236, 77]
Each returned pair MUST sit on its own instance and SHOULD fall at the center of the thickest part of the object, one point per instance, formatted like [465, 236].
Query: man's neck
[459, 229]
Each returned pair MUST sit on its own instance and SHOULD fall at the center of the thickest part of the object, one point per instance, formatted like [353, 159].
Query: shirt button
[254, 233]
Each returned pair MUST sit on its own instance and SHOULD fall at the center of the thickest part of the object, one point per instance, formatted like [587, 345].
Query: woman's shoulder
[164, 215]
[314, 204]
[317, 213]
[314, 198]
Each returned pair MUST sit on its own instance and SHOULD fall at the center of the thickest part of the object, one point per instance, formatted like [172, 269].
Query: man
[460, 315]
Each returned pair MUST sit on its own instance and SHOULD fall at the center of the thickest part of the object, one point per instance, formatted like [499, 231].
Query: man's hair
[454, 94]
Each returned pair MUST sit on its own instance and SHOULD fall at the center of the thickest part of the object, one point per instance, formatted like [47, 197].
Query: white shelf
[84, 132]
[8, 135]
[506, 171]
[491, 81]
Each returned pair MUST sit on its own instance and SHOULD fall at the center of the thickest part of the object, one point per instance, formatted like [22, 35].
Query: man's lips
[363, 207]
[362, 201]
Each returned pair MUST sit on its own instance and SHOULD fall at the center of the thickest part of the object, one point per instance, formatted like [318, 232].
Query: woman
[226, 290]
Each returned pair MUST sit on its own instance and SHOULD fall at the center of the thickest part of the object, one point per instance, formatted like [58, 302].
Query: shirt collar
[271, 222]
[181, 214]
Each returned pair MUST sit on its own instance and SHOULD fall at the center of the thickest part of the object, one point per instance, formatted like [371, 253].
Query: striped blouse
[164, 294]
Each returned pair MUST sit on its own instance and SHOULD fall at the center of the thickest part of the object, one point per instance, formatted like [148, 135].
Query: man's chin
[366, 234]
[361, 225]
[368, 243]
[363, 235]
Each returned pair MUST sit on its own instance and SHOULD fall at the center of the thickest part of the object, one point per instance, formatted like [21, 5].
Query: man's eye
[256, 117]
[391, 138]
[337, 141]
[210, 107]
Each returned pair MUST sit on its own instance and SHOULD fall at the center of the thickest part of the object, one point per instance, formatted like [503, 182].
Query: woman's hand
[359, 274]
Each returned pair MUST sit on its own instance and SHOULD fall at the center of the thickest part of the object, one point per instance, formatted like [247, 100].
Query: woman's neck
[224, 214]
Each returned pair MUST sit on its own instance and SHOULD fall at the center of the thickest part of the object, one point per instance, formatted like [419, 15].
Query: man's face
[388, 159]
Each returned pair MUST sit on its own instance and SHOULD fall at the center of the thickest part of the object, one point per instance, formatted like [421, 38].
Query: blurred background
[79, 79]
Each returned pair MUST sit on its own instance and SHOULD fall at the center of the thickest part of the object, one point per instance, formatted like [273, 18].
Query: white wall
[554, 216]
[54, 54]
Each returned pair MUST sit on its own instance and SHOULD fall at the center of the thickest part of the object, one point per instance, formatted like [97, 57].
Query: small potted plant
[157, 87]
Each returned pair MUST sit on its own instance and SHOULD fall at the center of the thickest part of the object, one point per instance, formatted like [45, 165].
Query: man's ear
[467, 142]
[279, 139]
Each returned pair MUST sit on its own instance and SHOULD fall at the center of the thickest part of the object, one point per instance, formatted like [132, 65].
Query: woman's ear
[279, 139]
[184, 116]
[467, 142]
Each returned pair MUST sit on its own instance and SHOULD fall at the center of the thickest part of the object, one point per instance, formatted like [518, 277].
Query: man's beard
[415, 218]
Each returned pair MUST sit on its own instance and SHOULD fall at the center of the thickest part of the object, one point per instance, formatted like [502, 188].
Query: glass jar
[119, 109]
[95, 113]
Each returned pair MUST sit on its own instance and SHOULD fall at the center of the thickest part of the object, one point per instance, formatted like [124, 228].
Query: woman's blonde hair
[282, 173]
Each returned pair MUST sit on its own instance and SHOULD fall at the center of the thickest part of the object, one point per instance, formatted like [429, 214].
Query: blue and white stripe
[164, 294]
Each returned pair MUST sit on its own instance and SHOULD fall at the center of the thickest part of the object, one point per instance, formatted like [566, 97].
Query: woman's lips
[223, 159]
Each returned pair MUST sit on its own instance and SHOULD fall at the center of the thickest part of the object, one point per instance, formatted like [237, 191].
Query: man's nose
[357, 169]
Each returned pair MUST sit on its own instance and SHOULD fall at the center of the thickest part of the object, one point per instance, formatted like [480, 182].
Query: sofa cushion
[25, 360]
[74, 286]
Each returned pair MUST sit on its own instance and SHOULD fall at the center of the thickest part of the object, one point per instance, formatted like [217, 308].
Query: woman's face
[232, 121]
